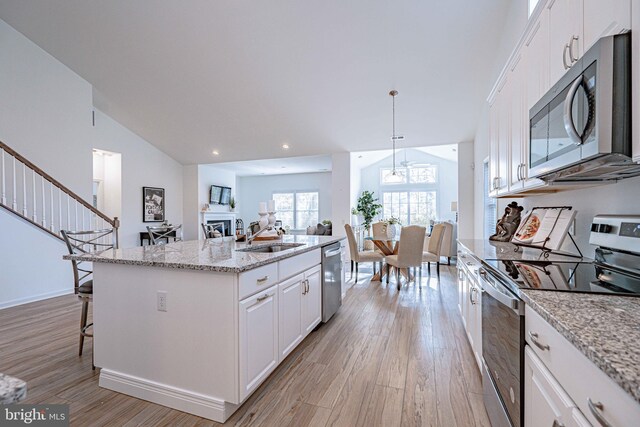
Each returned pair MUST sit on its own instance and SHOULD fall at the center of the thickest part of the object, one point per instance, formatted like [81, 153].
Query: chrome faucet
[256, 234]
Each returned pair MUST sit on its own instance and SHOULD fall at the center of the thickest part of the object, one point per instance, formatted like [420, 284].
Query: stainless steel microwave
[581, 129]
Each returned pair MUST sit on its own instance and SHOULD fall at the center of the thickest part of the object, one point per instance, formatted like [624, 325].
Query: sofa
[320, 230]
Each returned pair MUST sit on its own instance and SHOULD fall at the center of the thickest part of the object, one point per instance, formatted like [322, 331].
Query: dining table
[388, 247]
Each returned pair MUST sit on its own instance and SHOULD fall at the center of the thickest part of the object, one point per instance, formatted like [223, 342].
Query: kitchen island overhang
[231, 317]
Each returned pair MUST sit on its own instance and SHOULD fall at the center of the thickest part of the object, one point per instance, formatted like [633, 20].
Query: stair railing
[36, 197]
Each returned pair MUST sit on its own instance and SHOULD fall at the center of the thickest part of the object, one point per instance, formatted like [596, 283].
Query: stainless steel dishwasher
[331, 280]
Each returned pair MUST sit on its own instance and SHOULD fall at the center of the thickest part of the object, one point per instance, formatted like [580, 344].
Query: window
[423, 175]
[297, 210]
[411, 207]
[490, 207]
[427, 174]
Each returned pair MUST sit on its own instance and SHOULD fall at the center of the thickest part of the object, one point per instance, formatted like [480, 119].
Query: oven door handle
[512, 303]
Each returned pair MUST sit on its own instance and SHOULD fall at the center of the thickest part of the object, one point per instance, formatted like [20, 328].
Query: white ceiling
[243, 77]
[280, 166]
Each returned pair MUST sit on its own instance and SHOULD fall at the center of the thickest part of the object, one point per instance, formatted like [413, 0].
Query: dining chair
[213, 230]
[379, 230]
[409, 251]
[82, 243]
[160, 235]
[434, 247]
[360, 256]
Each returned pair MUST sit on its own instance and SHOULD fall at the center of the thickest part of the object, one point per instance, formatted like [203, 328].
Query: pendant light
[396, 176]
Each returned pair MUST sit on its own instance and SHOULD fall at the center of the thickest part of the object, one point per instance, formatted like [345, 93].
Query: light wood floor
[387, 358]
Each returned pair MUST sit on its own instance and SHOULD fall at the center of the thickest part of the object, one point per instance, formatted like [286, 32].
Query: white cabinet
[604, 19]
[519, 122]
[556, 38]
[499, 135]
[258, 318]
[470, 303]
[290, 295]
[312, 300]
[580, 379]
[565, 29]
[300, 301]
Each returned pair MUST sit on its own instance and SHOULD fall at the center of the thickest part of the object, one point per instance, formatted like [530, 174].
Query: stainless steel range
[615, 270]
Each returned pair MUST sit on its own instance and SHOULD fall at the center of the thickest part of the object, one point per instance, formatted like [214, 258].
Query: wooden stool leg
[351, 269]
[438, 268]
[388, 273]
[83, 323]
[357, 272]
[398, 277]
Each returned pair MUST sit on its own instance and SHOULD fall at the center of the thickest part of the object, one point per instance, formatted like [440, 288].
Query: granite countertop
[12, 389]
[221, 255]
[605, 328]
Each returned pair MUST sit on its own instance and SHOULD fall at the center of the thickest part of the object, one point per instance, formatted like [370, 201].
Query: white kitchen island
[199, 325]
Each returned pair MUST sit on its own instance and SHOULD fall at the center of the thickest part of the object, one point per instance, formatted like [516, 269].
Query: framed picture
[152, 204]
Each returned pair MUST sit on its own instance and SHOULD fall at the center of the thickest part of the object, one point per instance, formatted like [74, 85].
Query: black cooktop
[574, 276]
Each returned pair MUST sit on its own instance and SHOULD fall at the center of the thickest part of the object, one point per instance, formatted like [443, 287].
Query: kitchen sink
[271, 248]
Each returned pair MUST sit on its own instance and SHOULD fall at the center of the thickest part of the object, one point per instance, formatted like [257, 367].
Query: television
[220, 195]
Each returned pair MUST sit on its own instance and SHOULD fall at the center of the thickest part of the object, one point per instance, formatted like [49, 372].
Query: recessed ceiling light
[359, 157]
[283, 167]
[285, 146]
[216, 153]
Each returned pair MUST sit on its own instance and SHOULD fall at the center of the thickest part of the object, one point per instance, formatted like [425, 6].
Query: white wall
[343, 191]
[466, 209]
[45, 115]
[142, 165]
[619, 198]
[447, 185]
[255, 189]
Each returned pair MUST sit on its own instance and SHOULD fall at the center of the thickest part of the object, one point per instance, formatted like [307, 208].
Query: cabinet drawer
[579, 377]
[289, 267]
[258, 279]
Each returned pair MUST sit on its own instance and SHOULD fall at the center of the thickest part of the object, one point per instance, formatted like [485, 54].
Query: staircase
[33, 195]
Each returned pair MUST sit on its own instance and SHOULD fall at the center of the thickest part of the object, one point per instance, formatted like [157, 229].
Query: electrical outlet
[162, 300]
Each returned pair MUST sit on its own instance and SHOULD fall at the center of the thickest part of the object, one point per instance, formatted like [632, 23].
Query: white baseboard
[34, 298]
[183, 400]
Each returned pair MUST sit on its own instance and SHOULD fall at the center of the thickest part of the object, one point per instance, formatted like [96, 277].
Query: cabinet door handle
[520, 172]
[564, 57]
[263, 297]
[307, 285]
[573, 40]
[534, 340]
[262, 279]
[596, 409]
[524, 171]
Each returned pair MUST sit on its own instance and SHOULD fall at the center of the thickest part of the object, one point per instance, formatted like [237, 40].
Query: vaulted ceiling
[244, 77]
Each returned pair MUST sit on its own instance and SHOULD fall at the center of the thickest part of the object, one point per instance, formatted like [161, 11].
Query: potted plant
[232, 204]
[369, 208]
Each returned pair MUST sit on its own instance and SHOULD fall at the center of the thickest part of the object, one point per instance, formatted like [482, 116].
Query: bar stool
[161, 234]
[82, 243]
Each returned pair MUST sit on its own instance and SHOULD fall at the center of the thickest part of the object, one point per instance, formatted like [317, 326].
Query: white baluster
[76, 213]
[51, 197]
[4, 178]
[83, 210]
[15, 201]
[33, 185]
[68, 212]
[44, 204]
[59, 209]
[24, 189]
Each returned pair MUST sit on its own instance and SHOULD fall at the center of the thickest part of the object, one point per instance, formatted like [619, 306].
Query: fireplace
[226, 218]
[226, 223]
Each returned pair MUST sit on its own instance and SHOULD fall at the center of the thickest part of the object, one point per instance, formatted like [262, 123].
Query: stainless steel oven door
[502, 345]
